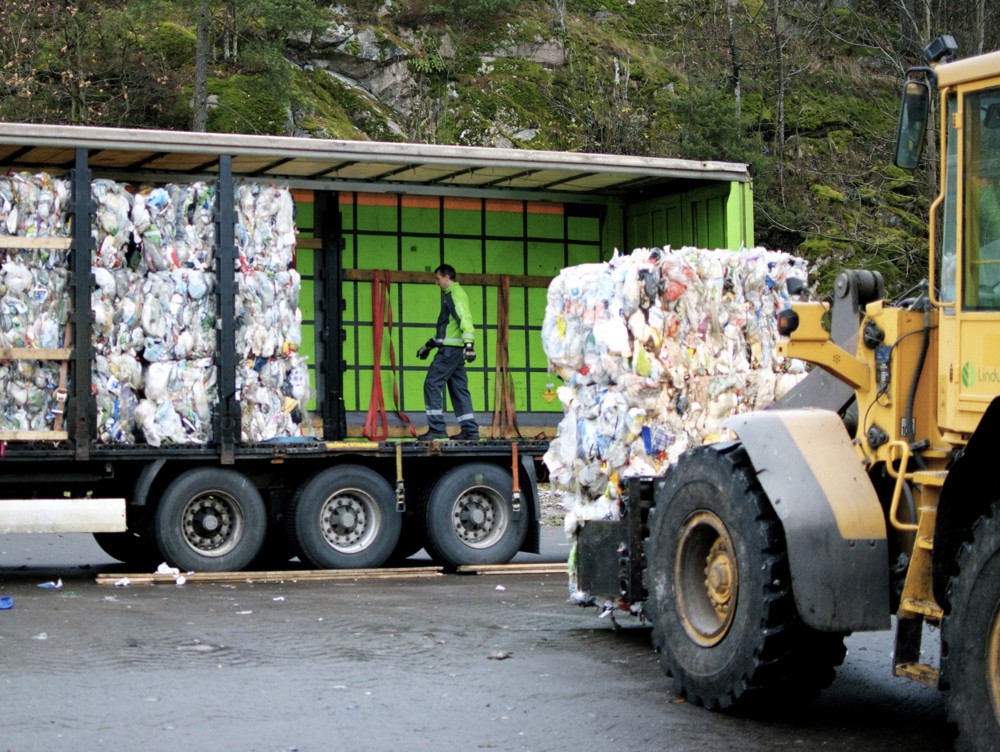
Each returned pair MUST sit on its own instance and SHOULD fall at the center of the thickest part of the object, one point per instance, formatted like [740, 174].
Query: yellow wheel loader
[868, 492]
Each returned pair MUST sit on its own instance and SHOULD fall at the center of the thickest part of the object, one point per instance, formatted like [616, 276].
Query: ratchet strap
[376, 423]
[504, 408]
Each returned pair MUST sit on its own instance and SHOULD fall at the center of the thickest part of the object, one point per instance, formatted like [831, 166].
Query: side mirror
[912, 123]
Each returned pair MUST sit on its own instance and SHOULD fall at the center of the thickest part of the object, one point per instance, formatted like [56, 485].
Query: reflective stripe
[466, 416]
[435, 412]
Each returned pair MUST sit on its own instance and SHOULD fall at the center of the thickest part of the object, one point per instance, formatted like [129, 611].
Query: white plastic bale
[33, 298]
[178, 402]
[272, 379]
[657, 349]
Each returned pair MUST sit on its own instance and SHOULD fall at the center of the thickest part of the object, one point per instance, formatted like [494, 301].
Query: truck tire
[210, 520]
[970, 639]
[723, 613]
[345, 518]
[129, 548]
[470, 517]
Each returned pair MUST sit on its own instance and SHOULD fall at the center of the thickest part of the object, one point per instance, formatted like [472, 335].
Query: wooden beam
[293, 575]
[14, 241]
[36, 353]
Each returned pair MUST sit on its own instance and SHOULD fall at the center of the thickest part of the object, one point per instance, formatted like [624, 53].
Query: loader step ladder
[917, 605]
[57, 354]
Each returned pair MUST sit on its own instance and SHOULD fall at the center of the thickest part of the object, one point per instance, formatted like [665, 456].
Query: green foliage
[245, 106]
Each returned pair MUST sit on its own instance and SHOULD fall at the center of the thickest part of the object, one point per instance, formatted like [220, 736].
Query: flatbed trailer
[352, 490]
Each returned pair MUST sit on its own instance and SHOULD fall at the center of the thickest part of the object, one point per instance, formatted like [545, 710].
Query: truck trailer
[343, 484]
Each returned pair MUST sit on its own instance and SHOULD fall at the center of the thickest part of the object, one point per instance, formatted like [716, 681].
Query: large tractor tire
[470, 517]
[210, 520]
[345, 518]
[723, 613]
[970, 639]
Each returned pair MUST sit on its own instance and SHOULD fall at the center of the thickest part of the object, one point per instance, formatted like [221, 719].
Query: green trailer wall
[528, 242]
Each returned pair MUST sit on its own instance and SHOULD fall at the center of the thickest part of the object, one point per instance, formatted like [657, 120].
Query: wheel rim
[350, 520]
[706, 575]
[993, 664]
[213, 523]
[479, 517]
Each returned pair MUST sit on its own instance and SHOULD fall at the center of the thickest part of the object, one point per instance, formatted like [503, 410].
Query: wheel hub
[993, 664]
[478, 518]
[348, 521]
[211, 524]
[706, 573]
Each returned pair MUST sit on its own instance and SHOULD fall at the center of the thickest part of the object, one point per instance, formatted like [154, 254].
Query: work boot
[430, 435]
[468, 435]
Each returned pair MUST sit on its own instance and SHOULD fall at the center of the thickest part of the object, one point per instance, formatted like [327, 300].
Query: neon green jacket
[454, 324]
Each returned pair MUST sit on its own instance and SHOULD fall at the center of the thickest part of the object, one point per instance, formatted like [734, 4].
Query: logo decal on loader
[968, 375]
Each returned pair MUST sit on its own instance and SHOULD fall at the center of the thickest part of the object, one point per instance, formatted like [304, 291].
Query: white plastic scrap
[656, 349]
[33, 298]
[154, 308]
[272, 378]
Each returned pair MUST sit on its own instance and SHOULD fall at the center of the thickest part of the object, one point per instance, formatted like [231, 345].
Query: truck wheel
[723, 613]
[210, 520]
[345, 518]
[970, 639]
[470, 518]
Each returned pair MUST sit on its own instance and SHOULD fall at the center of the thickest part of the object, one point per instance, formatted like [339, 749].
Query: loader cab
[964, 227]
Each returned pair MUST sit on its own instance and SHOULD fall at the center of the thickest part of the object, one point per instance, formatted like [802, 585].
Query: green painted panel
[421, 305]
[463, 222]
[377, 253]
[305, 261]
[422, 220]
[304, 217]
[545, 225]
[503, 223]
[465, 255]
[583, 254]
[545, 259]
[377, 218]
[583, 228]
[420, 254]
[505, 256]
[542, 389]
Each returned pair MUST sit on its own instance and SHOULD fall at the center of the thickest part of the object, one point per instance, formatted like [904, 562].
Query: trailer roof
[356, 165]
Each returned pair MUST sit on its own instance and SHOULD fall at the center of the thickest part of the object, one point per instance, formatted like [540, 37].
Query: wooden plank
[487, 280]
[511, 569]
[14, 241]
[292, 575]
[34, 435]
[36, 353]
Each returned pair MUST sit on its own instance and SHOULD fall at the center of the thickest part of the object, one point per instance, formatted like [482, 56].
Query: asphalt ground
[446, 662]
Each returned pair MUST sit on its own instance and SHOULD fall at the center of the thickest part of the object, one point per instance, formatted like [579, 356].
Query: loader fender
[831, 516]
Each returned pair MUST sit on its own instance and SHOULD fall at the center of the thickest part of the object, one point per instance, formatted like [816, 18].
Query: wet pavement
[454, 662]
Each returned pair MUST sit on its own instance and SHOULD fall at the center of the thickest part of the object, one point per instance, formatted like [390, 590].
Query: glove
[425, 350]
[470, 353]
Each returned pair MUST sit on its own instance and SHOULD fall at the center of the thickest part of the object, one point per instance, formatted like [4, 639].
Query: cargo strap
[504, 408]
[376, 423]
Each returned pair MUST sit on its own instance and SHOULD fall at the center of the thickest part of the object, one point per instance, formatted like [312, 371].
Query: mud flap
[831, 516]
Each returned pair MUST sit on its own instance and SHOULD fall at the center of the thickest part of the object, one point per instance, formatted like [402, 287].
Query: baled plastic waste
[656, 349]
[154, 306]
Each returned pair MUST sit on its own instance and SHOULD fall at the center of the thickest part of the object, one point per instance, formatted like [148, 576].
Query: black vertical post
[83, 422]
[329, 263]
[227, 427]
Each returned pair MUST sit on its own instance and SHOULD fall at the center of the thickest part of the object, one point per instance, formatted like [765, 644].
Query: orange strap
[504, 408]
[376, 423]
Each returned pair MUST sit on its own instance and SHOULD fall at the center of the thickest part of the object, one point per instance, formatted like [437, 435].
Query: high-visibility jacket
[454, 324]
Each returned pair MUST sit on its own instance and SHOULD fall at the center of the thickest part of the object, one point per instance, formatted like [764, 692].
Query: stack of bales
[656, 349]
[34, 294]
[154, 303]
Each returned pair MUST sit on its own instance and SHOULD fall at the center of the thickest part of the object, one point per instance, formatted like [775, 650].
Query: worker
[454, 341]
